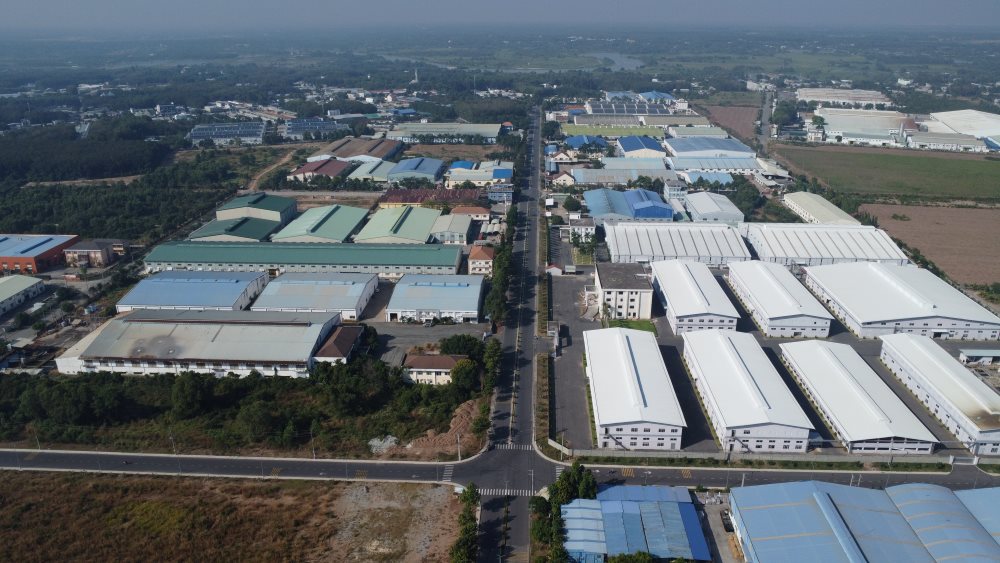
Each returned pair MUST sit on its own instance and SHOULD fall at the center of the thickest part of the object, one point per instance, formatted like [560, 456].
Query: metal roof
[723, 178]
[937, 369]
[691, 289]
[717, 146]
[664, 241]
[406, 223]
[333, 223]
[488, 130]
[638, 163]
[945, 525]
[795, 242]
[679, 132]
[628, 378]
[377, 171]
[677, 119]
[710, 164]
[184, 288]
[709, 204]
[22, 246]
[775, 292]
[821, 209]
[419, 292]
[980, 352]
[872, 292]
[250, 228]
[983, 503]
[577, 141]
[741, 381]
[12, 285]
[851, 394]
[636, 143]
[970, 122]
[416, 167]
[319, 292]
[271, 254]
[637, 203]
[452, 223]
[259, 200]
[618, 177]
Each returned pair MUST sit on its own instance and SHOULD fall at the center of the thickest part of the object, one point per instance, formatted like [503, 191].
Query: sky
[145, 16]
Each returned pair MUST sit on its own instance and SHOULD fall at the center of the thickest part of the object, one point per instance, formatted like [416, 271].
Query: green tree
[189, 395]
[637, 557]
[571, 204]
[465, 376]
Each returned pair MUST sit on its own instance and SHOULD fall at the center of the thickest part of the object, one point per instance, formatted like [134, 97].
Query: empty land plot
[572, 129]
[905, 173]
[452, 152]
[963, 242]
[738, 120]
[74, 517]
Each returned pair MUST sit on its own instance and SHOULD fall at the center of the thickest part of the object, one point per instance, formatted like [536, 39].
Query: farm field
[572, 129]
[904, 173]
[945, 234]
[451, 152]
[738, 120]
[76, 517]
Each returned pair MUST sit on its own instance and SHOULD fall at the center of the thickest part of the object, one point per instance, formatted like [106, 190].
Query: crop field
[76, 517]
[738, 120]
[572, 129]
[900, 172]
[963, 242]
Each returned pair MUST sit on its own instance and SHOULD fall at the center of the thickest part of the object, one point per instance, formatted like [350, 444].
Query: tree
[189, 395]
[465, 376]
[637, 557]
[463, 345]
[571, 204]
[818, 121]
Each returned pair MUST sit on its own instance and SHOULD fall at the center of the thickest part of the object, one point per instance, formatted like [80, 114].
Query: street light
[645, 478]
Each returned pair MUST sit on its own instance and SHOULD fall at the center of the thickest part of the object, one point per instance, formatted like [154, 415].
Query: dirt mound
[434, 445]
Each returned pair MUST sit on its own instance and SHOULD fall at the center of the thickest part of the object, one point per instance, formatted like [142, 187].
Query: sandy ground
[452, 152]
[738, 120]
[434, 445]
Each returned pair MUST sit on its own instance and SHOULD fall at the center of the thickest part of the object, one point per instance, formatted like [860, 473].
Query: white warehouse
[709, 207]
[964, 404]
[712, 244]
[347, 294]
[877, 299]
[777, 302]
[748, 404]
[816, 209]
[692, 297]
[793, 244]
[634, 403]
[857, 405]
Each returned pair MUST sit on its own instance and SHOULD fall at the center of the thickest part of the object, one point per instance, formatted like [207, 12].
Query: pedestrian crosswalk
[506, 492]
[448, 470]
[506, 446]
[628, 472]
[686, 473]
[559, 470]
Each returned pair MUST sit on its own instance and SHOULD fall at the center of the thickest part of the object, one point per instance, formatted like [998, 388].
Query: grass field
[571, 129]
[907, 173]
[749, 99]
[77, 517]
[636, 324]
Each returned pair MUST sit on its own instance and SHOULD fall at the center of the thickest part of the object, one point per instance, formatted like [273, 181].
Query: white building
[430, 369]
[946, 142]
[347, 294]
[877, 299]
[625, 290]
[747, 402]
[777, 302]
[856, 404]
[965, 405]
[424, 297]
[709, 207]
[16, 289]
[633, 401]
[181, 290]
[795, 245]
[842, 96]
[711, 244]
[814, 208]
[692, 297]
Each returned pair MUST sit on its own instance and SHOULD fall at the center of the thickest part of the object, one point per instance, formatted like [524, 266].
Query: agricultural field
[572, 129]
[451, 152]
[748, 99]
[76, 517]
[738, 120]
[943, 235]
[895, 172]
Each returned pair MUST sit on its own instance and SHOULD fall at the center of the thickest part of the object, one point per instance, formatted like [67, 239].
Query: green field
[635, 324]
[571, 129]
[752, 99]
[907, 173]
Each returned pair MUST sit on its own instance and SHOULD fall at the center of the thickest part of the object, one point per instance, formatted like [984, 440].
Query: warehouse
[796, 245]
[244, 229]
[31, 254]
[623, 163]
[860, 409]
[617, 176]
[798, 521]
[742, 166]
[215, 342]
[710, 207]
[979, 124]
[624, 290]
[606, 120]
[16, 290]
[375, 171]
[841, 96]
[777, 302]
[634, 403]
[472, 133]
[451, 229]
[814, 208]
[319, 168]
[708, 147]
[676, 120]
[194, 291]
[876, 299]
[331, 223]
[479, 174]
[316, 127]
[747, 402]
[428, 169]
[422, 298]
[945, 142]
[358, 150]
[633, 205]
[576, 142]
[640, 147]
[965, 404]
[692, 297]
[388, 261]
[678, 132]
[244, 133]
[258, 206]
[714, 245]
[399, 225]
[347, 294]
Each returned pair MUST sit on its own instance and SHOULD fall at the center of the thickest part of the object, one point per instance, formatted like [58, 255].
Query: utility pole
[458, 440]
[743, 480]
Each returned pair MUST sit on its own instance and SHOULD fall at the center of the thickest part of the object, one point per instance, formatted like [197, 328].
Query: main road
[509, 470]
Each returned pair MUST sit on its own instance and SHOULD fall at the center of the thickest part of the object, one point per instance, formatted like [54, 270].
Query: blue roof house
[633, 205]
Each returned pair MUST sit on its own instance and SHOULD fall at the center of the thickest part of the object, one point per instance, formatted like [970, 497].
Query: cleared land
[73, 517]
[452, 152]
[905, 173]
[738, 120]
[572, 129]
[963, 242]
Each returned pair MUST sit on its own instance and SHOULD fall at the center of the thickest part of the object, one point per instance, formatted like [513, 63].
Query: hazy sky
[139, 16]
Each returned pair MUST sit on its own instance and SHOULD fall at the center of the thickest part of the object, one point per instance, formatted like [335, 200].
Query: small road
[255, 181]
[765, 122]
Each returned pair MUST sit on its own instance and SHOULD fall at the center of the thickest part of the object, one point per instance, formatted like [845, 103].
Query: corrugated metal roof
[822, 211]
[12, 285]
[690, 289]
[774, 291]
[404, 223]
[250, 228]
[803, 243]
[946, 527]
[618, 177]
[259, 201]
[271, 254]
[377, 171]
[636, 143]
[638, 163]
[416, 167]
[983, 503]
[315, 292]
[23, 246]
[712, 164]
[190, 289]
[723, 178]
[665, 241]
[334, 223]
[708, 204]
[631, 203]
[418, 292]
[577, 141]
[717, 146]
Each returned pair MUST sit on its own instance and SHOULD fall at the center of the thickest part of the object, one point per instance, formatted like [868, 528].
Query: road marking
[506, 492]
[448, 470]
[361, 474]
[559, 470]
[628, 472]
[686, 473]
[275, 471]
[506, 446]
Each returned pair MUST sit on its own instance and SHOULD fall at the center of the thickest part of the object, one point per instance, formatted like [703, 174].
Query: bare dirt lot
[75, 517]
[965, 243]
[738, 120]
[451, 152]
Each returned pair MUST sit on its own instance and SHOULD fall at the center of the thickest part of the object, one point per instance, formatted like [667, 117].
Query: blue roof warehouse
[633, 205]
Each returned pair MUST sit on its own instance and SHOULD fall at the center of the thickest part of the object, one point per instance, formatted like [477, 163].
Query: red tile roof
[432, 361]
[470, 210]
[482, 253]
[340, 343]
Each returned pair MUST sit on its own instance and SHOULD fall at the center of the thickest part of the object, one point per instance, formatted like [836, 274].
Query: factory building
[31, 254]
[747, 402]
[452, 229]
[780, 305]
[692, 297]
[346, 294]
[244, 229]
[331, 223]
[149, 342]
[399, 225]
[877, 299]
[194, 291]
[634, 403]
[95, 253]
[422, 298]
[358, 150]
[258, 206]
[474, 133]
[16, 290]
[729, 165]
[640, 147]
[244, 133]
[965, 404]
[709, 207]
[375, 171]
[633, 205]
[616, 176]
[842, 96]
[795, 245]
[814, 208]
[428, 169]
[624, 290]
[711, 244]
[678, 132]
[388, 261]
[480, 174]
[319, 168]
[316, 127]
[708, 147]
[860, 409]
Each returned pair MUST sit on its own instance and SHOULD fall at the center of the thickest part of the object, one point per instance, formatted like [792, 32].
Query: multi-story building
[430, 369]
[624, 291]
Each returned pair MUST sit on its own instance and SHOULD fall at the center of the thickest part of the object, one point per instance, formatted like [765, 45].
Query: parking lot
[396, 338]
